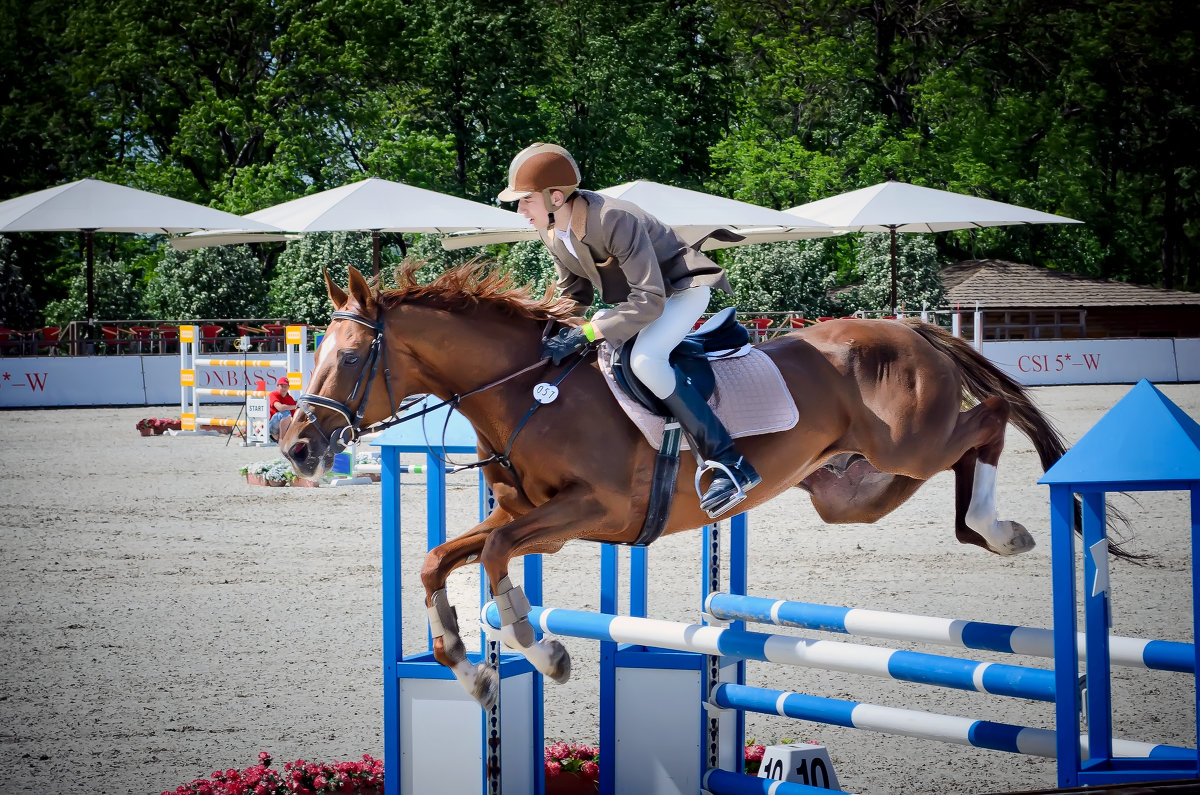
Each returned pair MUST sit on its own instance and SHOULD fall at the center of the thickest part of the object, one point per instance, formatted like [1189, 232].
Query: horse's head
[348, 390]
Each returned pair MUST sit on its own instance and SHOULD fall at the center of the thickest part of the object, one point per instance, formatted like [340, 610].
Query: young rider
[658, 287]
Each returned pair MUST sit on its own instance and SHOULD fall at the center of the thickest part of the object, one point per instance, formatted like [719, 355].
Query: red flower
[559, 750]
[552, 768]
[591, 770]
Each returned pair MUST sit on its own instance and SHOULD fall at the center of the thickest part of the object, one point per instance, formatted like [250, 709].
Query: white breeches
[655, 342]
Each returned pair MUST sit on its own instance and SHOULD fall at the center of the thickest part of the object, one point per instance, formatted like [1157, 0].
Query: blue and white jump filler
[673, 695]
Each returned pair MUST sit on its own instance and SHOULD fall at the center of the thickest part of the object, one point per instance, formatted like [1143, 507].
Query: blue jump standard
[931, 669]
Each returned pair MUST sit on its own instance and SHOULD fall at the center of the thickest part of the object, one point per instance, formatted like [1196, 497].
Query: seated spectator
[282, 405]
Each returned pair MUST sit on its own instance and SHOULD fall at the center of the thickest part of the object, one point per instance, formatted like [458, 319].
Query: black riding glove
[568, 341]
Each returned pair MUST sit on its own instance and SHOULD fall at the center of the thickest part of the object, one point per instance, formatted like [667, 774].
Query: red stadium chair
[48, 339]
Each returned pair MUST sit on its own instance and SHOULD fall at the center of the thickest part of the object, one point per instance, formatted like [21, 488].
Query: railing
[266, 334]
[140, 337]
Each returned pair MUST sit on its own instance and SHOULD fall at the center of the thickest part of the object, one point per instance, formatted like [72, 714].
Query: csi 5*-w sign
[1046, 362]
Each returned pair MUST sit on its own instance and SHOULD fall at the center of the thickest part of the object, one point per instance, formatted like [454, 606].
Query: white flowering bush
[274, 469]
[918, 276]
[215, 282]
[298, 291]
[118, 294]
[782, 277]
[529, 262]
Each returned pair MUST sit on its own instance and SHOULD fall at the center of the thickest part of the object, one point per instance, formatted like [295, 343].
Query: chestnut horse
[881, 411]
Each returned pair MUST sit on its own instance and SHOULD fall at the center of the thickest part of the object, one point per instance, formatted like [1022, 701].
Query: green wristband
[589, 332]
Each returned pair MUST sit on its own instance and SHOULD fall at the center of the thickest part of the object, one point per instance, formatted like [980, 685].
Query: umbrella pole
[892, 305]
[375, 251]
[89, 274]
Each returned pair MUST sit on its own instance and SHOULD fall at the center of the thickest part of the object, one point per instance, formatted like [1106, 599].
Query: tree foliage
[206, 283]
[782, 277]
[17, 309]
[1084, 109]
[298, 291]
[118, 290]
[918, 284]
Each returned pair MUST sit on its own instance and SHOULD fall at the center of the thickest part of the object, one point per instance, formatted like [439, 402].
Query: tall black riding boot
[732, 475]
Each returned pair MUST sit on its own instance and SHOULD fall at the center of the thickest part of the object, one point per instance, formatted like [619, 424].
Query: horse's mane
[473, 284]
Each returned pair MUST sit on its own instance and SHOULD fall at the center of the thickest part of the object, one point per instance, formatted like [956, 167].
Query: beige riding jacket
[634, 260]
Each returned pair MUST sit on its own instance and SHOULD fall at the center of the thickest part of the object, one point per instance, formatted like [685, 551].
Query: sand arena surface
[161, 619]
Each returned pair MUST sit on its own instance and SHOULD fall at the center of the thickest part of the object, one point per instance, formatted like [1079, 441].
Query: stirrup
[721, 504]
[730, 500]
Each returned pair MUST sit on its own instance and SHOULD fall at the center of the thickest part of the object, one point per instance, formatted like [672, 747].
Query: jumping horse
[884, 406]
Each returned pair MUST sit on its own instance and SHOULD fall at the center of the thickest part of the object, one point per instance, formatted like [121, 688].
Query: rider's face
[533, 207]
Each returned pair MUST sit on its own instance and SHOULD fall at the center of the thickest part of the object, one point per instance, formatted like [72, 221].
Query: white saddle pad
[750, 397]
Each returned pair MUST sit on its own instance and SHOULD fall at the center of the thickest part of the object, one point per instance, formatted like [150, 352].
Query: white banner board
[154, 380]
[45, 381]
[1044, 362]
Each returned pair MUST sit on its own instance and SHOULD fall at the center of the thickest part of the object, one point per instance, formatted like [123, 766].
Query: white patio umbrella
[374, 205]
[91, 205]
[693, 214]
[899, 207]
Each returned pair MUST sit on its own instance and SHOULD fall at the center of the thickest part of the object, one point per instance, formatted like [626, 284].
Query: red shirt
[279, 396]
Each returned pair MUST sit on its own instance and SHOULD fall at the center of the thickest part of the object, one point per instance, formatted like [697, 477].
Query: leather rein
[353, 430]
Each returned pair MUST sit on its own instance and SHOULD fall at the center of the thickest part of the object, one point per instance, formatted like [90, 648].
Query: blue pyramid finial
[1144, 438]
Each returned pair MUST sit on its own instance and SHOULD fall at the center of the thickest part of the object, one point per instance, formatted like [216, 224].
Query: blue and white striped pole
[907, 666]
[723, 782]
[923, 725]
[1159, 655]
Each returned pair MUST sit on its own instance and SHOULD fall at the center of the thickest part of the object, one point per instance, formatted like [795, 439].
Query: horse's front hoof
[485, 686]
[1016, 539]
[560, 662]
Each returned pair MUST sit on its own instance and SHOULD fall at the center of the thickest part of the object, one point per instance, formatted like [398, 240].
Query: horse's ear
[360, 291]
[336, 294]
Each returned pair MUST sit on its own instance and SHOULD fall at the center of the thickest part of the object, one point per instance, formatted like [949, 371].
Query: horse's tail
[982, 379]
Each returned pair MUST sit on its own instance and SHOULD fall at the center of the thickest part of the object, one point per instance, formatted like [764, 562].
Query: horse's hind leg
[975, 520]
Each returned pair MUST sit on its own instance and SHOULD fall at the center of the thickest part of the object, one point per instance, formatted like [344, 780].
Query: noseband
[352, 430]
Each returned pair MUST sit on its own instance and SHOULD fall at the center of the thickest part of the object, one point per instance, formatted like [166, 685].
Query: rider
[658, 287]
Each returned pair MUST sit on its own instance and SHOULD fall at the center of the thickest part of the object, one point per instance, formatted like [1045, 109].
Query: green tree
[206, 283]
[645, 99]
[918, 276]
[782, 277]
[119, 294]
[530, 263]
[298, 291]
[17, 309]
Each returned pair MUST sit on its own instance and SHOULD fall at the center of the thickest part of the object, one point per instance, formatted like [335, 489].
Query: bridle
[352, 431]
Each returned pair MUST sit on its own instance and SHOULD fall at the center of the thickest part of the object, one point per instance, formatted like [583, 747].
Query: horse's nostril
[297, 451]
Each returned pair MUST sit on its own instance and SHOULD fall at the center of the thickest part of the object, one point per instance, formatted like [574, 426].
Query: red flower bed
[296, 778]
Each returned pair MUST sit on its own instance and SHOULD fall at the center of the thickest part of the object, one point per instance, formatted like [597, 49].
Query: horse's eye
[349, 358]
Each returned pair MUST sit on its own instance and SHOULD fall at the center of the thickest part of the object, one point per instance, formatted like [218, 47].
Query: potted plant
[277, 474]
[256, 473]
[145, 426]
[571, 769]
